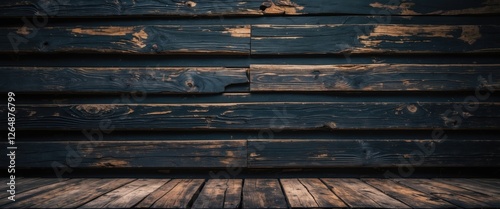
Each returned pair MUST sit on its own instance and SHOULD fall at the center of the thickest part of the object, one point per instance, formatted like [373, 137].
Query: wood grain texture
[138, 39]
[410, 197]
[42, 194]
[127, 195]
[357, 194]
[220, 193]
[371, 77]
[120, 80]
[255, 116]
[263, 193]
[458, 196]
[297, 194]
[82, 194]
[134, 154]
[381, 38]
[373, 153]
[181, 195]
[324, 197]
[96, 8]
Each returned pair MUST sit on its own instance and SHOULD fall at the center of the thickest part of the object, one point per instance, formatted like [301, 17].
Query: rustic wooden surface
[372, 77]
[95, 8]
[121, 80]
[255, 193]
[264, 115]
[136, 154]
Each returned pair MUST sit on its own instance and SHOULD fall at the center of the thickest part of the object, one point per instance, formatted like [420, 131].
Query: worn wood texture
[357, 194]
[181, 195]
[458, 196]
[263, 193]
[133, 154]
[126, 196]
[309, 193]
[220, 193]
[120, 80]
[372, 77]
[81, 194]
[45, 193]
[410, 197]
[96, 8]
[255, 116]
[379, 38]
[137, 39]
[373, 153]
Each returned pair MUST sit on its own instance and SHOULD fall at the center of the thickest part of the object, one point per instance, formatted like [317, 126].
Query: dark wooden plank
[140, 39]
[134, 154]
[181, 195]
[24, 196]
[127, 195]
[96, 8]
[371, 77]
[322, 195]
[45, 193]
[360, 195]
[219, 193]
[297, 194]
[255, 116]
[148, 201]
[488, 181]
[455, 195]
[279, 153]
[359, 39]
[26, 184]
[82, 194]
[263, 193]
[473, 185]
[410, 197]
[120, 80]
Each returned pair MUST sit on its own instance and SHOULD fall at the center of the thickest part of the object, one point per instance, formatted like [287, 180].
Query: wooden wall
[256, 83]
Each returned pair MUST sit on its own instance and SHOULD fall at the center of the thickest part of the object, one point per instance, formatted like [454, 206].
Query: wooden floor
[253, 193]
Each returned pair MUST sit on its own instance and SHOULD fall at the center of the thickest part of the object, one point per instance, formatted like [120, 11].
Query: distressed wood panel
[369, 38]
[372, 77]
[373, 153]
[263, 193]
[255, 116]
[139, 154]
[357, 194]
[137, 39]
[458, 196]
[220, 193]
[92, 8]
[120, 80]
[410, 197]
[181, 195]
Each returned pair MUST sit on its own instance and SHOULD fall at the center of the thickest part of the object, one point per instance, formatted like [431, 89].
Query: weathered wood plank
[297, 194]
[360, 195]
[455, 195]
[120, 80]
[140, 39]
[42, 194]
[322, 195]
[410, 197]
[255, 116]
[82, 194]
[373, 153]
[382, 38]
[26, 184]
[127, 195]
[24, 196]
[471, 184]
[371, 77]
[220, 193]
[263, 193]
[96, 8]
[157, 194]
[181, 195]
[133, 154]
